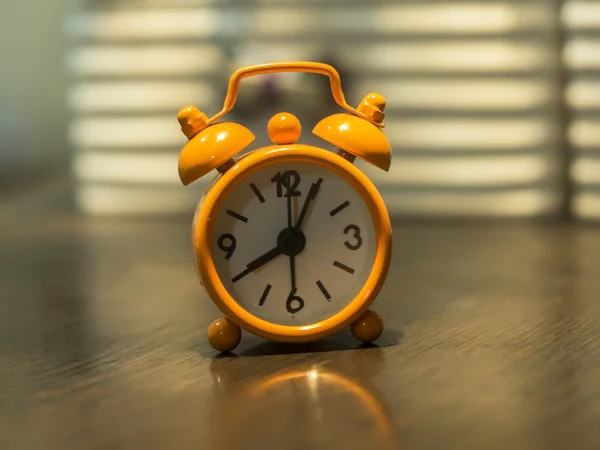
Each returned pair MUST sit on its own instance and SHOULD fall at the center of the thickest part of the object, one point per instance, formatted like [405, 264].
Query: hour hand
[258, 262]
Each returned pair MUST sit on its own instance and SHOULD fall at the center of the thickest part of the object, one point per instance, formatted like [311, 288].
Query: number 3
[356, 236]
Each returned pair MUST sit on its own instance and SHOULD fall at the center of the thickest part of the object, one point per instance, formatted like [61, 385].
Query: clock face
[293, 243]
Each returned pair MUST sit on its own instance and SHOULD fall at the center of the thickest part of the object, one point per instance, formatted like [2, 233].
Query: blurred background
[493, 113]
[492, 105]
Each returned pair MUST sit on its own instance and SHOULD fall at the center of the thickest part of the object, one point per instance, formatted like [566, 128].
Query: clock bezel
[203, 234]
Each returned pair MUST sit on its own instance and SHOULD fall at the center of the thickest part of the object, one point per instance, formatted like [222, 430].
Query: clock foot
[224, 335]
[368, 327]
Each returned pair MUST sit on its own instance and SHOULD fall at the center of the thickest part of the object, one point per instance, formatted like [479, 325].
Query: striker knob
[192, 121]
[372, 106]
[284, 129]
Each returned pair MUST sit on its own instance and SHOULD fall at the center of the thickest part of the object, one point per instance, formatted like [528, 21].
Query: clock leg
[224, 335]
[368, 327]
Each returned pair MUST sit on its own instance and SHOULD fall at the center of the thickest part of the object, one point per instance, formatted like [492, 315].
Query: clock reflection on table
[303, 405]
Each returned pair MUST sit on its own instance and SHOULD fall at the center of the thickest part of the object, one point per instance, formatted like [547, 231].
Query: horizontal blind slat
[470, 88]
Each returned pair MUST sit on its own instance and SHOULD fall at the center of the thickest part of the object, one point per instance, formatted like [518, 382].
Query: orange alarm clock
[292, 242]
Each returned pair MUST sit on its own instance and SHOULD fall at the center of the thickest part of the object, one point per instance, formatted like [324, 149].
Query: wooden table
[492, 341]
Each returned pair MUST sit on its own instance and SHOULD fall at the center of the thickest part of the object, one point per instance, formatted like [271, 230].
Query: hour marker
[337, 209]
[237, 216]
[257, 192]
[343, 267]
[265, 294]
[323, 290]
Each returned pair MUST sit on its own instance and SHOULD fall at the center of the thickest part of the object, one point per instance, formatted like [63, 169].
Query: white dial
[287, 266]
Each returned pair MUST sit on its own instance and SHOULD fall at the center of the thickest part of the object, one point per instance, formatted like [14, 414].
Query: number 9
[228, 247]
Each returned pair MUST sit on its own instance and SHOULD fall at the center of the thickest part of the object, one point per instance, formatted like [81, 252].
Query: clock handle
[297, 66]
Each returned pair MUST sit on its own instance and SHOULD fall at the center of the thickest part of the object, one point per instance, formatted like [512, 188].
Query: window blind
[473, 89]
[581, 55]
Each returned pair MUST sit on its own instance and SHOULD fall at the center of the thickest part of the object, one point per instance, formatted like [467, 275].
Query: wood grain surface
[492, 341]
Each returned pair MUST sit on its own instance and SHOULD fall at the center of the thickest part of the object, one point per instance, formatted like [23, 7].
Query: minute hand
[312, 193]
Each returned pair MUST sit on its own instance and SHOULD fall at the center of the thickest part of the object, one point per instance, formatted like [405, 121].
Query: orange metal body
[204, 236]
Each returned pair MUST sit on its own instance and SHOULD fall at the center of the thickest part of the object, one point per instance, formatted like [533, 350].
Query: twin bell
[214, 145]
